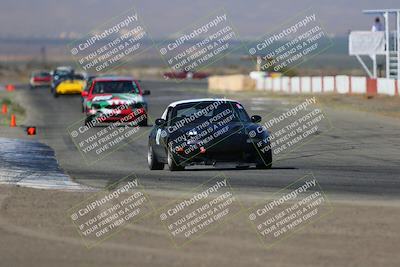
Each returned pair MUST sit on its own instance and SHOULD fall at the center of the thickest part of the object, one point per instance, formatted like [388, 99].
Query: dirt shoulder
[380, 104]
[33, 221]
[13, 107]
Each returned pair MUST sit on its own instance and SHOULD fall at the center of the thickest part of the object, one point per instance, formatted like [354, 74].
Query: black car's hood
[220, 131]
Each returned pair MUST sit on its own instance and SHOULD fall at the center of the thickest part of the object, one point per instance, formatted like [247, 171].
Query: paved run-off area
[356, 164]
[32, 164]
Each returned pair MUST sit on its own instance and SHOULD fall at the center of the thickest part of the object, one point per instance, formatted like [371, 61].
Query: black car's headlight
[258, 134]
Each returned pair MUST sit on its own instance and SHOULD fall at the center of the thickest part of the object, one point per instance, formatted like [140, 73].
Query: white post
[386, 16]
[258, 66]
[364, 65]
[398, 44]
[374, 66]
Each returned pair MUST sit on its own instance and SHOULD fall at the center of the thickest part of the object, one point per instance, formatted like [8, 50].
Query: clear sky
[252, 18]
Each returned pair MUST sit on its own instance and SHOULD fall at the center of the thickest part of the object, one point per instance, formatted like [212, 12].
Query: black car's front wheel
[173, 164]
[143, 122]
[265, 160]
[152, 161]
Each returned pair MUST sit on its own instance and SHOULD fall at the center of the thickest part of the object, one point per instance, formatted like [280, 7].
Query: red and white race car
[40, 78]
[112, 99]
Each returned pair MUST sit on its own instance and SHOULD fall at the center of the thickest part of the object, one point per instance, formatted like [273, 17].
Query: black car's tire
[143, 122]
[173, 164]
[266, 161]
[152, 161]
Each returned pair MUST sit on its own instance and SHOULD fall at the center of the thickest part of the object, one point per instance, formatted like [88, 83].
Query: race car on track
[185, 75]
[209, 132]
[58, 75]
[88, 82]
[69, 84]
[40, 78]
[111, 99]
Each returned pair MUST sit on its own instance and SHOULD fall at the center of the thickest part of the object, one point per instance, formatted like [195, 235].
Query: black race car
[209, 132]
[60, 74]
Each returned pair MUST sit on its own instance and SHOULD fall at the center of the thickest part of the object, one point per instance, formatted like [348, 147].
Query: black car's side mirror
[160, 122]
[255, 118]
[146, 92]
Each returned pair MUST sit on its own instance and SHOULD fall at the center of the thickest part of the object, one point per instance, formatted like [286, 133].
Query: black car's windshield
[62, 72]
[203, 111]
[115, 87]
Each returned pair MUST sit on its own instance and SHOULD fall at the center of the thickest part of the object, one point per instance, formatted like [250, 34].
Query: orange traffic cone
[13, 122]
[4, 109]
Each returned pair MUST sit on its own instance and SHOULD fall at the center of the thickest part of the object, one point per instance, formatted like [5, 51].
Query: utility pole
[43, 56]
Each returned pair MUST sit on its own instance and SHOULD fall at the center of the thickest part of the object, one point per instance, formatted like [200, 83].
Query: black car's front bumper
[234, 150]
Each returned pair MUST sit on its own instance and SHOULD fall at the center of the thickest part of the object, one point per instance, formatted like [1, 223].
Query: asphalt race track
[359, 156]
